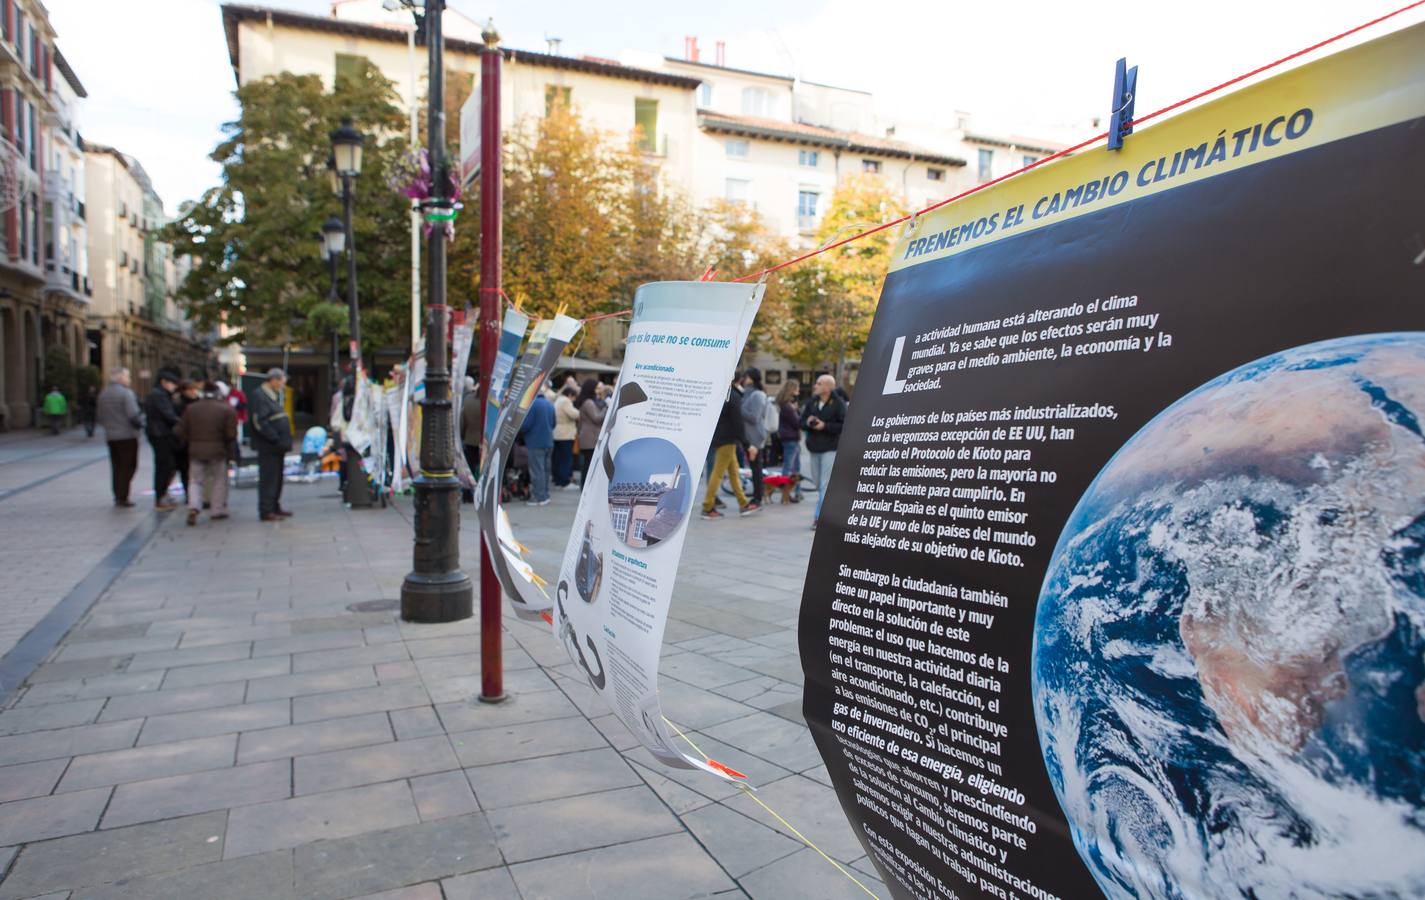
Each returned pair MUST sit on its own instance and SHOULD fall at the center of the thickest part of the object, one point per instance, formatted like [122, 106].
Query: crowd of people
[754, 432]
[191, 426]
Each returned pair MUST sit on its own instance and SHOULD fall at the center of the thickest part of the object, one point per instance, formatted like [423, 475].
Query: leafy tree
[831, 298]
[253, 237]
[59, 372]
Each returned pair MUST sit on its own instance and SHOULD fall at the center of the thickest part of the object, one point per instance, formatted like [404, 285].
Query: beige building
[776, 143]
[133, 317]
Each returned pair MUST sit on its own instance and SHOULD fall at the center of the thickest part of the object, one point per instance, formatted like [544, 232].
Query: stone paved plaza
[231, 715]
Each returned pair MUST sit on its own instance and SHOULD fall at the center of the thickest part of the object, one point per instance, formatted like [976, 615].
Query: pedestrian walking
[727, 436]
[822, 418]
[789, 432]
[55, 409]
[208, 427]
[88, 406]
[591, 422]
[189, 393]
[117, 412]
[754, 426]
[470, 433]
[271, 438]
[161, 416]
[538, 432]
[566, 431]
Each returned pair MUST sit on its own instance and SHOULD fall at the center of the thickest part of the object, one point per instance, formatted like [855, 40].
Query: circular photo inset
[650, 491]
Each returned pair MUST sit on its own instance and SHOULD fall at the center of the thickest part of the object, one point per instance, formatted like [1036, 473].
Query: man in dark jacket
[209, 427]
[162, 417]
[727, 436]
[822, 419]
[272, 438]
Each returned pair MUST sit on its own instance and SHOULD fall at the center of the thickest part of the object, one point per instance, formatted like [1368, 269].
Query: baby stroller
[515, 484]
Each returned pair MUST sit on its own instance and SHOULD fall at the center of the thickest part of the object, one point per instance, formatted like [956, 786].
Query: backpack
[771, 416]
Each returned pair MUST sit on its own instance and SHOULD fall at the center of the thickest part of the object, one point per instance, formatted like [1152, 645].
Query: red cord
[1082, 144]
[1062, 153]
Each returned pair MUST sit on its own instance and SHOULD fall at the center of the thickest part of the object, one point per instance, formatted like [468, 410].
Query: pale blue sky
[160, 83]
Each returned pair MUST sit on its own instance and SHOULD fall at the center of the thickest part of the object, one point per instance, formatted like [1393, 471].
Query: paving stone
[677, 797]
[319, 817]
[153, 761]
[267, 876]
[772, 738]
[317, 660]
[192, 676]
[181, 795]
[170, 659]
[115, 855]
[79, 668]
[580, 823]
[325, 682]
[208, 637]
[496, 745]
[66, 742]
[790, 876]
[158, 703]
[370, 765]
[739, 844]
[342, 622]
[443, 795]
[305, 643]
[429, 890]
[521, 708]
[696, 708]
[490, 884]
[548, 777]
[22, 821]
[363, 700]
[30, 779]
[388, 673]
[810, 807]
[313, 737]
[206, 621]
[87, 688]
[128, 646]
[417, 721]
[673, 866]
[615, 732]
[222, 720]
[400, 856]
[49, 716]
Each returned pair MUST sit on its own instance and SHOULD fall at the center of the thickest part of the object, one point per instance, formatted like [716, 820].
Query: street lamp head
[346, 147]
[334, 236]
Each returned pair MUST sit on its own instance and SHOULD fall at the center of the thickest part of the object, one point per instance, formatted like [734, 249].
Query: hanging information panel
[1118, 587]
[616, 582]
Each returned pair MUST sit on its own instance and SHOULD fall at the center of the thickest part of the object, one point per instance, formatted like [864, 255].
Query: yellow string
[801, 837]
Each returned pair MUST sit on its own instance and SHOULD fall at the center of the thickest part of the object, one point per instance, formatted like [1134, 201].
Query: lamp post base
[442, 597]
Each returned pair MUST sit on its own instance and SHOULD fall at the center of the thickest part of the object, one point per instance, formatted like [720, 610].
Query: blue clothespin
[1120, 120]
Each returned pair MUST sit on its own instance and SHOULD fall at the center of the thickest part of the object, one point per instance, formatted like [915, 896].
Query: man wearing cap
[162, 417]
[272, 438]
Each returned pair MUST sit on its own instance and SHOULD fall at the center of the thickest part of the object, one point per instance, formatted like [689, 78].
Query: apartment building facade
[133, 320]
[776, 143]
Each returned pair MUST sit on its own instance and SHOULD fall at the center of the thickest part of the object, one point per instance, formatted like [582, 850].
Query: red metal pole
[492, 203]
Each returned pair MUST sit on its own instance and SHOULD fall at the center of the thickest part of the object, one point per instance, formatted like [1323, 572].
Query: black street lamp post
[346, 163]
[436, 589]
[333, 244]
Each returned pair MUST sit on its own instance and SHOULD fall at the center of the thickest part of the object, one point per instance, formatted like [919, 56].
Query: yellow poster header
[1367, 87]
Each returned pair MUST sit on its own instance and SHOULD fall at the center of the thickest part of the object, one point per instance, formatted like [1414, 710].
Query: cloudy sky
[160, 84]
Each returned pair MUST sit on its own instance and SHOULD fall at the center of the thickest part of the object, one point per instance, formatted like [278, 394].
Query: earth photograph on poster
[1229, 650]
